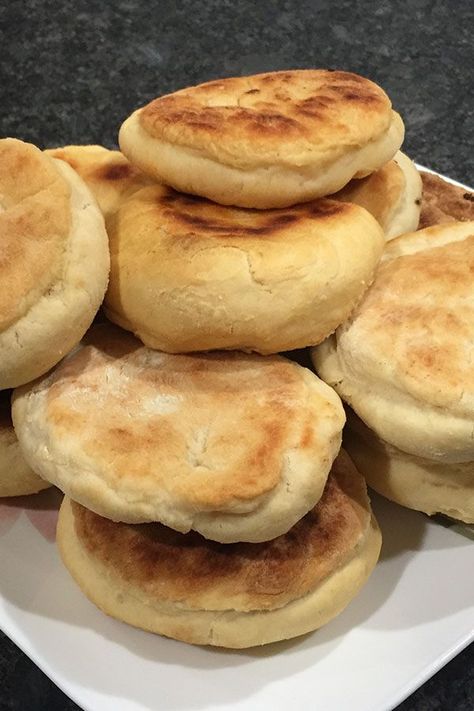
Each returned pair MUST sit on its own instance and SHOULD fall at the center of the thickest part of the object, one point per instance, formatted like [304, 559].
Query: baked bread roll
[55, 261]
[190, 275]
[235, 446]
[402, 359]
[403, 363]
[108, 174]
[16, 477]
[269, 140]
[392, 195]
[239, 595]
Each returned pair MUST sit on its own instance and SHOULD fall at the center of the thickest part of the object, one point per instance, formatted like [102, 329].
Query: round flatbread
[235, 446]
[190, 275]
[54, 261]
[403, 360]
[269, 140]
[238, 595]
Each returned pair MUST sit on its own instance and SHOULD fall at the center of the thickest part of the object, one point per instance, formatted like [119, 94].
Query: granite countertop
[72, 71]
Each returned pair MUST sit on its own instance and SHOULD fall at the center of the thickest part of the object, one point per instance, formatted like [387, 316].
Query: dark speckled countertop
[71, 71]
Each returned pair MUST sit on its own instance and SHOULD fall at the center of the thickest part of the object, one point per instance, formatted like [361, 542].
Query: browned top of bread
[176, 229]
[109, 175]
[190, 275]
[444, 202]
[292, 114]
[182, 216]
[35, 219]
[133, 407]
[403, 360]
[419, 310]
[169, 566]
[139, 435]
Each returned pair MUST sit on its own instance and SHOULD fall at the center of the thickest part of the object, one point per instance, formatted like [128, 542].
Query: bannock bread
[108, 174]
[54, 262]
[16, 477]
[189, 275]
[268, 140]
[403, 360]
[392, 195]
[238, 595]
[235, 446]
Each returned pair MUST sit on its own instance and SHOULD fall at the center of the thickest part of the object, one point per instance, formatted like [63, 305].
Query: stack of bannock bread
[207, 497]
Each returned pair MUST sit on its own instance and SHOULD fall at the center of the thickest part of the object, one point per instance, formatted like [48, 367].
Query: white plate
[415, 613]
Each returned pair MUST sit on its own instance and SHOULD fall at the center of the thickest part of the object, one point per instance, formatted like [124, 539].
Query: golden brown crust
[172, 379]
[391, 194]
[44, 315]
[108, 174]
[183, 216]
[295, 113]
[444, 202]
[378, 193]
[188, 569]
[433, 284]
[227, 444]
[136, 442]
[35, 220]
[265, 141]
[190, 275]
[404, 358]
